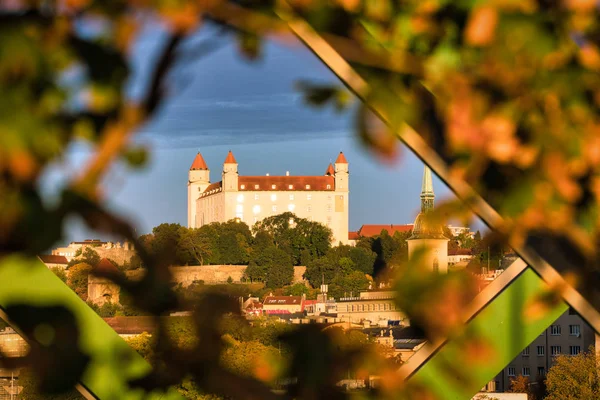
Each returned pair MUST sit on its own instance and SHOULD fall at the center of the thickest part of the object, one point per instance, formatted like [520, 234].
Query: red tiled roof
[374, 230]
[106, 266]
[353, 236]
[213, 186]
[459, 252]
[131, 325]
[330, 170]
[230, 159]
[282, 300]
[52, 259]
[318, 183]
[199, 162]
[341, 159]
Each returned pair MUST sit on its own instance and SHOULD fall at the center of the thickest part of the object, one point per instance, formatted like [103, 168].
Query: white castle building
[322, 199]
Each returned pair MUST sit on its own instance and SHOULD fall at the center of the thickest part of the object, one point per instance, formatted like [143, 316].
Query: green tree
[297, 289]
[345, 285]
[232, 251]
[193, 247]
[279, 268]
[163, 245]
[87, 255]
[78, 279]
[574, 377]
[255, 272]
[60, 272]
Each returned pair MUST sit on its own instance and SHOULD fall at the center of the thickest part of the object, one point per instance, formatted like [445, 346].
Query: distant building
[116, 251]
[250, 199]
[53, 261]
[456, 256]
[373, 306]
[569, 335]
[457, 230]
[70, 250]
[427, 233]
[283, 304]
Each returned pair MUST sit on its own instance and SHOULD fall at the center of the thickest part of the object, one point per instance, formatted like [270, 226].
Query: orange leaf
[481, 27]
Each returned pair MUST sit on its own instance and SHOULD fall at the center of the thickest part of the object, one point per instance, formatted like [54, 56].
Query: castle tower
[198, 181]
[342, 198]
[427, 233]
[230, 173]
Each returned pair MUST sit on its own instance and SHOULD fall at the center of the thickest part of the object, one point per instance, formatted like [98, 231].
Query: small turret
[230, 173]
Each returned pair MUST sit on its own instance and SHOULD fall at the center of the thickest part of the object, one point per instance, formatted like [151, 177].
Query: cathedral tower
[428, 233]
[198, 181]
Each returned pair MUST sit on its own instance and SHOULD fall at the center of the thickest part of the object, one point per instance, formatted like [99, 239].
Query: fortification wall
[119, 255]
[101, 290]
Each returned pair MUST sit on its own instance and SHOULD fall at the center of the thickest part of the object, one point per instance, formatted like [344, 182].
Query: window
[512, 371]
[436, 265]
[574, 350]
[243, 187]
[526, 371]
[328, 207]
[328, 220]
[273, 197]
[555, 330]
[273, 186]
[555, 350]
[309, 197]
[541, 371]
[328, 186]
[274, 208]
[239, 208]
[290, 187]
[255, 186]
[541, 350]
[292, 197]
[240, 198]
[256, 209]
[309, 208]
[574, 330]
[307, 187]
[329, 197]
[525, 351]
[255, 197]
[291, 207]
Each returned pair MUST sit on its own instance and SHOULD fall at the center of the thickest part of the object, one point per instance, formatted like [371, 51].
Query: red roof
[375, 230]
[282, 300]
[330, 170]
[341, 159]
[353, 236]
[318, 183]
[212, 186]
[106, 266]
[230, 159]
[199, 162]
[52, 259]
[132, 325]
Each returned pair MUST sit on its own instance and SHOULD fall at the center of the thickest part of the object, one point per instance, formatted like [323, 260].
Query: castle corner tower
[428, 233]
[198, 181]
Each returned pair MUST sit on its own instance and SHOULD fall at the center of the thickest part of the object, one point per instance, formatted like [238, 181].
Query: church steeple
[427, 195]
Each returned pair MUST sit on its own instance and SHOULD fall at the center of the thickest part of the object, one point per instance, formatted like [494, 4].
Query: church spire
[427, 195]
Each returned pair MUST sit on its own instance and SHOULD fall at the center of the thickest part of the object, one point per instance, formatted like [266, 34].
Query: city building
[569, 335]
[274, 305]
[249, 199]
[53, 261]
[457, 230]
[427, 233]
[456, 256]
[375, 307]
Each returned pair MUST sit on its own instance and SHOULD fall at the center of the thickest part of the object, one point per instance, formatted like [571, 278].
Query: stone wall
[101, 290]
[118, 255]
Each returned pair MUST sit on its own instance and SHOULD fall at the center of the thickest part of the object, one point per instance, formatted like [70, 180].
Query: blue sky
[223, 102]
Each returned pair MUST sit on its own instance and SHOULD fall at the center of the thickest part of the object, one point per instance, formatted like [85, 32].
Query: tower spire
[427, 195]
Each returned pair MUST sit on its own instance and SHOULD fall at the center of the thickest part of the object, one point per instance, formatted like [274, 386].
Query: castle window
[291, 207]
[309, 197]
[328, 207]
[273, 197]
[273, 186]
[329, 197]
[292, 197]
[240, 198]
[307, 186]
[328, 186]
[328, 220]
[436, 265]
[274, 208]
[255, 197]
[243, 186]
[256, 209]
[255, 186]
[290, 187]
[309, 208]
[239, 208]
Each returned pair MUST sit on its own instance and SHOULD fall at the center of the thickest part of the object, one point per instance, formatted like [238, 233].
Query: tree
[164, 243]
[60, 272]
[521, 384]
[78, 279]
[574, 377]
[87, 255]
[231, 248]
[193, 247]
[279, 268]
[297, 289]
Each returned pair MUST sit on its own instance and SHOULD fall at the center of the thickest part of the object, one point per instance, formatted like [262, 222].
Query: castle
[250, 199]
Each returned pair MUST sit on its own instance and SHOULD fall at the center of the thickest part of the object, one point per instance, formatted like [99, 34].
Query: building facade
[250, 199]
[372, 306]
[569, 335]
[428, 234]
